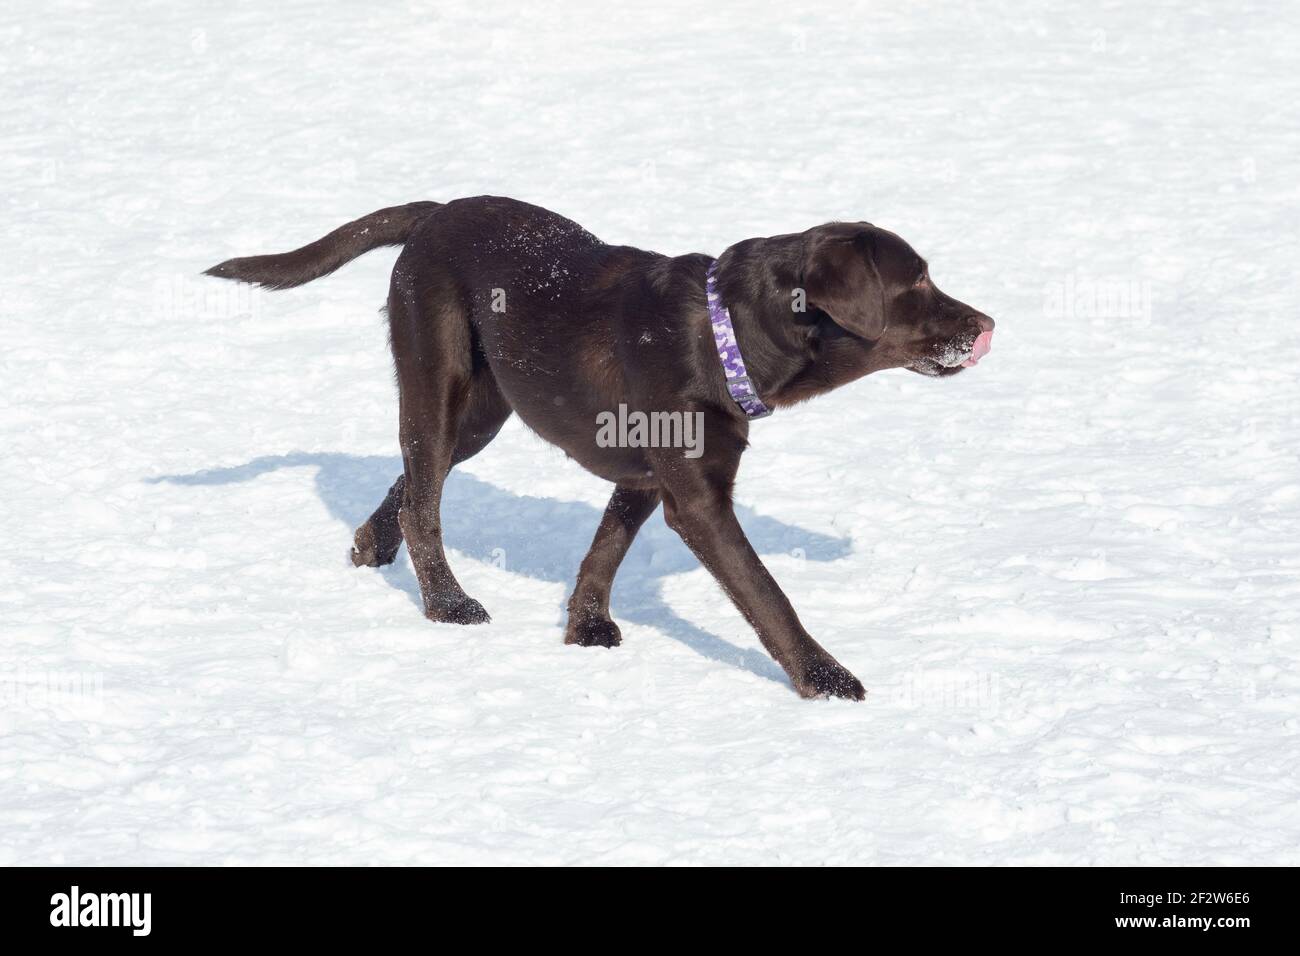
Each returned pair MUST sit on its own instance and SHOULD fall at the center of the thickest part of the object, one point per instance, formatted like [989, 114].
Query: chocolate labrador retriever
[644, 368]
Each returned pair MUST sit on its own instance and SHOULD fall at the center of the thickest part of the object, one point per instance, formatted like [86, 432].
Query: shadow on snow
[543, 538]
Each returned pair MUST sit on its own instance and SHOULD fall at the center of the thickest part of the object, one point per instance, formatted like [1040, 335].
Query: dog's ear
[841, 279]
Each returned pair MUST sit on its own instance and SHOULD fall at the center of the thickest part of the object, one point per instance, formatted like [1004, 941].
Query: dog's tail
[387, 227]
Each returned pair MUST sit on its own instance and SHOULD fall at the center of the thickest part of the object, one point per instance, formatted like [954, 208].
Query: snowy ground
[1070, 578]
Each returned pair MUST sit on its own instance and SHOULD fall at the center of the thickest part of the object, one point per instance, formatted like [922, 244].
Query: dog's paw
[829, 678]
[367, 552]
[370, 558]
[593, 632]
[463, 611]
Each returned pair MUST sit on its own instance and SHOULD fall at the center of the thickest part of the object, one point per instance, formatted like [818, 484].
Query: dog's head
[873, 284]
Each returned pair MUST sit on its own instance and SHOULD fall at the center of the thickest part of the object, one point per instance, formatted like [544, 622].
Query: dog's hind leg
[433, 350]
[376, 542]
[589, 622]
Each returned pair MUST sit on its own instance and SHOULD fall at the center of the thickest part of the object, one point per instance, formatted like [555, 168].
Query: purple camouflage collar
[739, 386]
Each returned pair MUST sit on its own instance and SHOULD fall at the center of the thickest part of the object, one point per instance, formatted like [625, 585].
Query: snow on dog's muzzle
[983, 344]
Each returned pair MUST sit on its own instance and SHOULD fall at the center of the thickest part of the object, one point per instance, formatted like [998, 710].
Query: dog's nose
[984, 322]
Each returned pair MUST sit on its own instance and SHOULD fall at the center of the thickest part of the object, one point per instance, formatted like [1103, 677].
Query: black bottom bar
[1217, 907]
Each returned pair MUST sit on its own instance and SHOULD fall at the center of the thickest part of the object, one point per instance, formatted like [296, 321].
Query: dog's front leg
[589, 622]
[697, 505]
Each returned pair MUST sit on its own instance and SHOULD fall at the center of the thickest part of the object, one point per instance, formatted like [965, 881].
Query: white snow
[1069, 578]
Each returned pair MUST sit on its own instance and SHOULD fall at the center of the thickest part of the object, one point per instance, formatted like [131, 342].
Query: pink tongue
[980, 349]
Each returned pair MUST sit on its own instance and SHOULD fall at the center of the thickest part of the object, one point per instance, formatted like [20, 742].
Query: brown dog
[498, 306]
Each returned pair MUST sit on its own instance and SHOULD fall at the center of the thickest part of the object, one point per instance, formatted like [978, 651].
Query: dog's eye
[922, 279]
